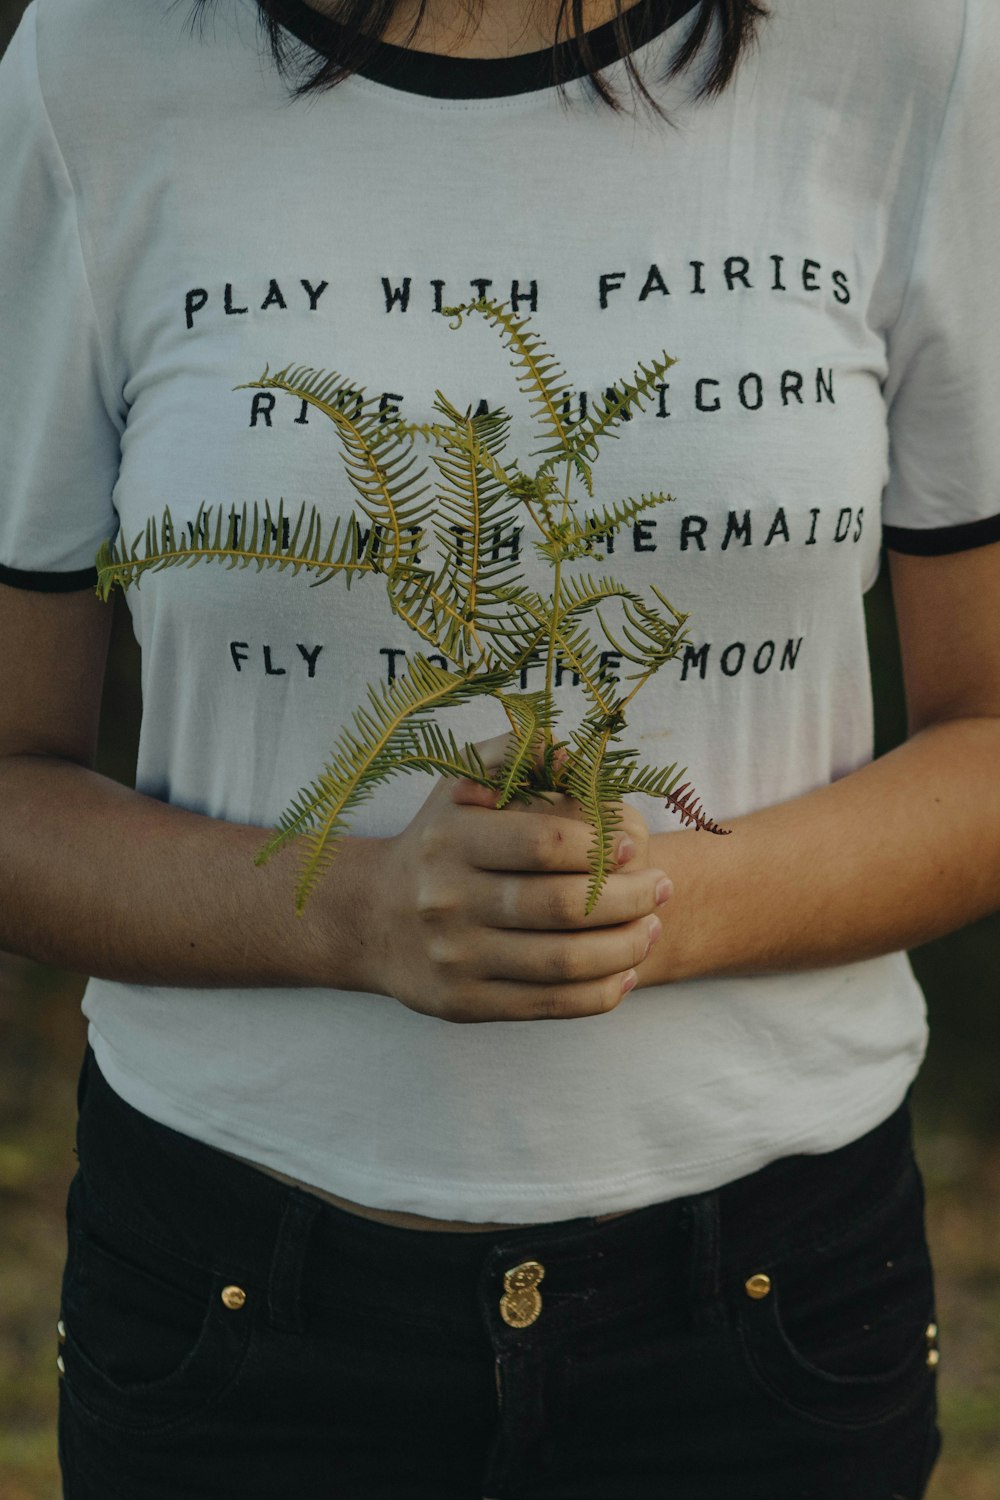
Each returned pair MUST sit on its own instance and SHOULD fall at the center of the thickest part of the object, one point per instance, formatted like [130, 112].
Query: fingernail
[663, 892]
[654, 929]
[626, 850]
[629, 982]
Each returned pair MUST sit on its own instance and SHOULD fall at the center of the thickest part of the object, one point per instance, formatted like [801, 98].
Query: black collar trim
[440, 77]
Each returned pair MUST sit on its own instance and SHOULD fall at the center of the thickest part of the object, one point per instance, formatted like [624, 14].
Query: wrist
[340, 931]
[675, 956]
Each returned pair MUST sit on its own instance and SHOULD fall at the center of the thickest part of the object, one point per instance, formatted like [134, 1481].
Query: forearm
[104, 881]
[893, 855]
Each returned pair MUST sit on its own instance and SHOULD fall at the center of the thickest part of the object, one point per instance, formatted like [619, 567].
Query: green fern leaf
[655, 640]
[475, 510]
[590, 779]
[532, 713]
[579, 653]
[389, 728]
[426, 603]
[514, 637]
[583, 593]
[538, 375]
[491, 429]
[655, 781]
[237, 539]
[611, 519]
[611, 408]
[374, 458]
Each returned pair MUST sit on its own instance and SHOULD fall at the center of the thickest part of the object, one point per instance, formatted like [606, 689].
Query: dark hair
[738, 21]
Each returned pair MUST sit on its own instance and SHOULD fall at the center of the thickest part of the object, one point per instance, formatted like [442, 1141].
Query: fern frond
[491, 428]
[238, 539]
[612, 518]
[475, 509]
[662, 784]
[655, 639]
[532, 713]
[571, 539]
[490, 439]
[375, 466]
[578, 651]
[396, 724]
[589, 778]
[656, 781]
[678, 614]
[430, 604]
[539, 374]
[514, 638]
[435, 432]
[687, 805]
[491, 434]
[581, 594]
[619, 398]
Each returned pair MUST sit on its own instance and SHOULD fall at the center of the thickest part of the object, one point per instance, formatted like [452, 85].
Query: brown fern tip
[687, 805]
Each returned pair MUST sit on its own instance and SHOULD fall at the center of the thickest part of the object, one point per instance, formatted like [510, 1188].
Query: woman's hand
[482, 911]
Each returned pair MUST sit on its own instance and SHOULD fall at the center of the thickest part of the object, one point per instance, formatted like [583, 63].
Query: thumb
[470, 793]
[492, 753]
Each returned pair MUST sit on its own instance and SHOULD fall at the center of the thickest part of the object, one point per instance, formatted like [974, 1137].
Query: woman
[327, 1236]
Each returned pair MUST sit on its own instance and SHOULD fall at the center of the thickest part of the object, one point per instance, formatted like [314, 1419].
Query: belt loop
[284, 1285]
[704, 1250]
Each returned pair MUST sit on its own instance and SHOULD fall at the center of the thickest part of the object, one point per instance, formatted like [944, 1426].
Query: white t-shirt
[817, 250]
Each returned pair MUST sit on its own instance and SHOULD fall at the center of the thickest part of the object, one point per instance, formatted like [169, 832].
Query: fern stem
[555, 611]
[552, 641]
[476, 454]
[641, 683]
[484, 657]
[548, 535]
[565, 514]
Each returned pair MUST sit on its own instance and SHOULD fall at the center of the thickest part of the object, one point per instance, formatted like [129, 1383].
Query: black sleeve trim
[941, 539]
[49, 583]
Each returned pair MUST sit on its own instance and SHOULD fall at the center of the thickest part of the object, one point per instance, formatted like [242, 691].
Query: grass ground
[41, 1040]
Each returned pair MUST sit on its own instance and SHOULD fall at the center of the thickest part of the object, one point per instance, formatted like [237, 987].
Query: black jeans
[228, 1337]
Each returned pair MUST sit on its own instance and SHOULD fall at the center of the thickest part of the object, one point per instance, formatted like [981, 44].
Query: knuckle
[444, 952]
[430, 840]
[557, 1004]
[611, 993]
[558, 908]
[549, 1005]
[567, 962]
[630, 900]
[545, 844]
[642, 902]
[434, 902]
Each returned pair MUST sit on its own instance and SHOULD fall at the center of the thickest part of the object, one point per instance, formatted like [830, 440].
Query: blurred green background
[956, 1114]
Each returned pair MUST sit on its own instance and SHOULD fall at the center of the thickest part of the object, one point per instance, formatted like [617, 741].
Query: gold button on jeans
[521, 1302]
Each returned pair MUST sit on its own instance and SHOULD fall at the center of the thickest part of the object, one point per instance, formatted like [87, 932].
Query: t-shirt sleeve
[943, 493]
[60, 432]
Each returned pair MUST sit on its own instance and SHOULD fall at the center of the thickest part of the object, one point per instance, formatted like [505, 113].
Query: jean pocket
[841, 1331]
[149, 1341]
